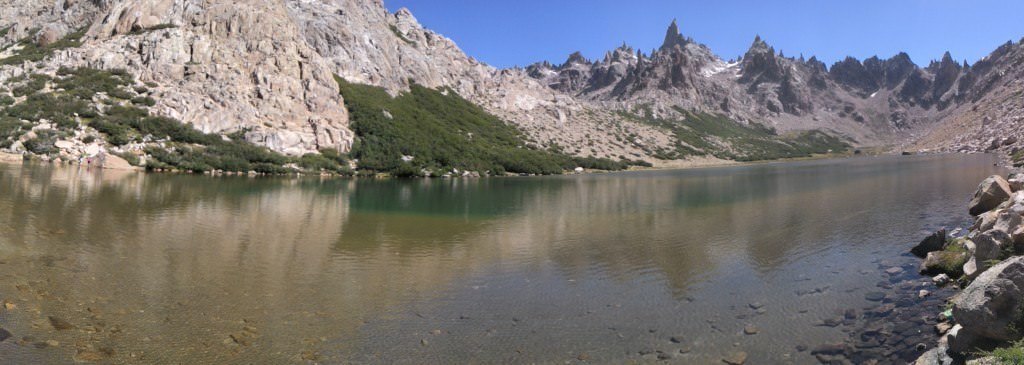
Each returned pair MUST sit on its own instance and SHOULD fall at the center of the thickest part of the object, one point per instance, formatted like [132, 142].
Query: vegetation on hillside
[30, 51]
[437, 131]
[122, 117]
[699, 134]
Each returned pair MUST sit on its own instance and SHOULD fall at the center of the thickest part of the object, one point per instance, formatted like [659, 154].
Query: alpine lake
[767, 262]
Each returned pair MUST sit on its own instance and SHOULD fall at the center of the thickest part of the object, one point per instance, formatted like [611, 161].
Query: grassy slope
[701, 134]
[442, 131]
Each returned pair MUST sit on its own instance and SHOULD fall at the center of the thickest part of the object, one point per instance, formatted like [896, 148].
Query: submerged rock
[991, 192]
[941, 280]
[736, 358]
[60, 324]
[875, 296]
[4, 335]
[934, 242]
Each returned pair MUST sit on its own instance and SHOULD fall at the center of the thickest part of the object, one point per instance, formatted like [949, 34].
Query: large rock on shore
[993, 191]
[1016, 182]
[984, 249]
[992, 306]
[932, 243]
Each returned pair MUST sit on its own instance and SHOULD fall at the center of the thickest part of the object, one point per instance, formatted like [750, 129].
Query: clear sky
[520, 32]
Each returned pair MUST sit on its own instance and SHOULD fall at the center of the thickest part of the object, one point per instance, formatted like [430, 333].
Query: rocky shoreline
[982, 267]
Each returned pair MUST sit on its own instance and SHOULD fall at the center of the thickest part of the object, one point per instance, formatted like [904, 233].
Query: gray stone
[935, 356]
[1007, 221]
[959, 340]
[934, 242]
[991, 192]
[736, 358]
[985, 221]
[991, 305]
[874, 296]
[985, 248]
[1016, 182]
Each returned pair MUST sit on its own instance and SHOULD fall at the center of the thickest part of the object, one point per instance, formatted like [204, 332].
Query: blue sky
[520, 32]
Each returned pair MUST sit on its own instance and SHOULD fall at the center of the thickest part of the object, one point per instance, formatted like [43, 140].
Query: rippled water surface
[143, 268]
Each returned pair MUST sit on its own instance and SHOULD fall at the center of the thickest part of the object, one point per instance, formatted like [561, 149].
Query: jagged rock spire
[576, 57]
[673, 37]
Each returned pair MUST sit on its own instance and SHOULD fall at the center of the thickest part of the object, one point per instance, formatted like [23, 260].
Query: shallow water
[604, 268]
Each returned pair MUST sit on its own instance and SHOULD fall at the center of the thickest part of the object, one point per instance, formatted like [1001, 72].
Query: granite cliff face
[222, 66]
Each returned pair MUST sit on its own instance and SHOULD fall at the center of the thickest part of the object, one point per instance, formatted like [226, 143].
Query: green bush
[42, 144]
[60, 109]
[11, 129]
[84, 83]
[32, 85]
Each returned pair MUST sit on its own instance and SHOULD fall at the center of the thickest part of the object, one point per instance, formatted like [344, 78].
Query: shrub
[32, 85]
[42, 144]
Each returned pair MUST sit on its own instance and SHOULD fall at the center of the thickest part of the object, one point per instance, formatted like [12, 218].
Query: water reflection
[170, 268]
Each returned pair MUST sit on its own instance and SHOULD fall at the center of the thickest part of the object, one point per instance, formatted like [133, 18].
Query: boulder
[113, 162]
[1016, 182]
[1015, 203]
[991, 192]
[1007, 221]
[985, 221]
[50, 34]
[960, 340]
[985, 248]
[934, 242]
[991, 307]
[935, 356]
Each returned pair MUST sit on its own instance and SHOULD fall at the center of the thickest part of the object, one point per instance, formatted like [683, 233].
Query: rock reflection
[183, 269]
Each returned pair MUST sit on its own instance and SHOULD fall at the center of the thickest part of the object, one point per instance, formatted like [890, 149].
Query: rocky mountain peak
[576, 58]
[673, 37]
[759, 46]
[760, 63]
